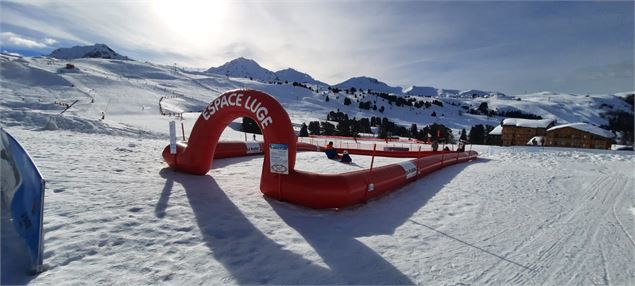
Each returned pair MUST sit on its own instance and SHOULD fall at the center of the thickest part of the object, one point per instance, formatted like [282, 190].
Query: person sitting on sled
[346, 159]
[331, 152]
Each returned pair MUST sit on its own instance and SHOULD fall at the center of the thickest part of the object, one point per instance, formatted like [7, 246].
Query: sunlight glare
[192, 18]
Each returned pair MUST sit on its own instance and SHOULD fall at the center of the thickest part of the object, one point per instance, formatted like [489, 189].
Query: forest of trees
[352, 127]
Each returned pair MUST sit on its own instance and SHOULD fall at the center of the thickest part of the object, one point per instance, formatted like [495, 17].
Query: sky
[512, 47]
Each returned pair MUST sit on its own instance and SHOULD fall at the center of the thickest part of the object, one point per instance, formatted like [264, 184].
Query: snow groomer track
[279, 178]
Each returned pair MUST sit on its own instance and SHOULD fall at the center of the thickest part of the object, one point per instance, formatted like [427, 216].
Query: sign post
[279, 158]
[172, 137]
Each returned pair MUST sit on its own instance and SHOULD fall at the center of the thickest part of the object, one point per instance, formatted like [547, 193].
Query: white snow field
[115, 214]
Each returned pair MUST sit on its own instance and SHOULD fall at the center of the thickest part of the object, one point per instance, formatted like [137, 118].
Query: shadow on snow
[253, 258]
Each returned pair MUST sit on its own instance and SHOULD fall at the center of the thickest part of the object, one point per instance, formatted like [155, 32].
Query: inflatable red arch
[282, 181]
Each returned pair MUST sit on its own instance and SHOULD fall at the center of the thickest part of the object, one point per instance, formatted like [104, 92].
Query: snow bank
[51, 122]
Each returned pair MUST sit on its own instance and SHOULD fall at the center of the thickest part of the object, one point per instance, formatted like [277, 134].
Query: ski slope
[119, 87]
[115, 214]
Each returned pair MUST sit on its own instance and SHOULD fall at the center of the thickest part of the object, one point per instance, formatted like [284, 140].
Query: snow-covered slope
[432, 91]
[95, 51]
[292, 75]
[515, 216]
[365, 83]
[244, 68]
[123, 87]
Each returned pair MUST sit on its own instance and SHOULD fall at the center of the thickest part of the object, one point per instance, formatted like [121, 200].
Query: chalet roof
[498, 130]
[530, 123]
[586, 128]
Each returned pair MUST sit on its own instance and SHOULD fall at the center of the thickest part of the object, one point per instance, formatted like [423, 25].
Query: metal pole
[69, 106]
[442, 158]
[418, 159]
[370, 171]
[372, 160]
[183, 130]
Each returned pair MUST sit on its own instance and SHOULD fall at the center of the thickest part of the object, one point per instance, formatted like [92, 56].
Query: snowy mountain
[95, 51]
[432, 91]
[244, 68]
[474, 93]
[121, 87]
[522, 215]
[365, 83]
[292, 75]
[421, 91]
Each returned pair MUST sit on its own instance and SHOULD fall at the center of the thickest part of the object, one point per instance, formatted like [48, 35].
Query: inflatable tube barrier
[229, 149]
[279, 178]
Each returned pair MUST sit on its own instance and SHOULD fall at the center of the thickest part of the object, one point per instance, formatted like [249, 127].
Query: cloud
[11, 53]
[509, 47]
[610, 71]
[13, 40]
[49, 41]
[599, 78]
[20, 41]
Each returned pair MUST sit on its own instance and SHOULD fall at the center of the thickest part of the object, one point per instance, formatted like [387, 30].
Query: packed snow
[114, 212]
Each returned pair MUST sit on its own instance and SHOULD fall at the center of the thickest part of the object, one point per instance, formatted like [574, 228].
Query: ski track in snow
[118, 214]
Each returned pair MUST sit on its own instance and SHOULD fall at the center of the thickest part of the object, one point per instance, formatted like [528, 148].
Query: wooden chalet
[519, 131]
[579, 135]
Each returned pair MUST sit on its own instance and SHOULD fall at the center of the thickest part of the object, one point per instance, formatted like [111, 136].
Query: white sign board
[253, 147]
[172, 137]
[279, 158]
[410, 168]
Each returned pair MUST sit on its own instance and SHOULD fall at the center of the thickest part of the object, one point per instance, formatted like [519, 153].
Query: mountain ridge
[101, 51]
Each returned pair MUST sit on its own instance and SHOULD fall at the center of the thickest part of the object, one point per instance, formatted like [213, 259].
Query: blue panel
[27, 199]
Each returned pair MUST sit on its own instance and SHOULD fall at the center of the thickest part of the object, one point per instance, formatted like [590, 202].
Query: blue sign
[23, 187]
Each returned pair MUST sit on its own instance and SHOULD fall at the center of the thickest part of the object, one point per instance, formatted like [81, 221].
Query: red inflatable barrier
[279, 178]
[368, 139]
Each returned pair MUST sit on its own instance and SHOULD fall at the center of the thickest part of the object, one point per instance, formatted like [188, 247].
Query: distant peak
[92, 51]
[364, 82]
[244, 68]
[371, 79]
[243, 59]
[289, 70]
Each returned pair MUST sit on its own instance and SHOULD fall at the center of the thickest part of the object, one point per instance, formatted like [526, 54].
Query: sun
[191, 18]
